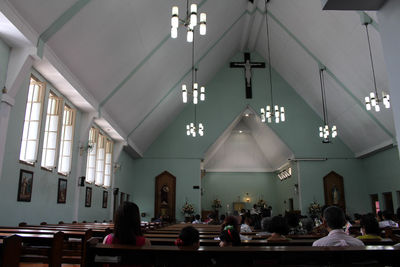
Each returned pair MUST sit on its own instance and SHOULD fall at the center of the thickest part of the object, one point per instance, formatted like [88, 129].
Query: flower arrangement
[314, 209]
[216, 204]
[261, 203]
[187, 208]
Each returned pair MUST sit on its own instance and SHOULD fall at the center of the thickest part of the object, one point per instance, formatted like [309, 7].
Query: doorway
[388, 201]
[375, 203]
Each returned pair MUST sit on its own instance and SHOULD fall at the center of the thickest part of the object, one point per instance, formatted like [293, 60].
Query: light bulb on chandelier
[325, 132]
[190, 22]
[192, 130]
[195, 91]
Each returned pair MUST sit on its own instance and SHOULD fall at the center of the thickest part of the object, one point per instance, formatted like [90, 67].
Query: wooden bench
[10, 251]
[73, 243]
[243, 256]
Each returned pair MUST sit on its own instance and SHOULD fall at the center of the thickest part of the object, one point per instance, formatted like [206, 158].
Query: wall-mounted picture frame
[105, 199]
[62, 191]
[88, 197]
[25, 186]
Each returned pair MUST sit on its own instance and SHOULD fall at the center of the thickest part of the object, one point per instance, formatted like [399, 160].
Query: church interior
[280, 104]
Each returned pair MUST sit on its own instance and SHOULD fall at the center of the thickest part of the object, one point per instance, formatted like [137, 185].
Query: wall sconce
[85, 148]
[116, 166]
[247, 198]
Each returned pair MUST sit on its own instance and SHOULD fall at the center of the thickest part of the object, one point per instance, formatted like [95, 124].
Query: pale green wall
[186, 171]
[4, 57]
[229, 187]
[224, 102]
[312, 187]
[383, 175]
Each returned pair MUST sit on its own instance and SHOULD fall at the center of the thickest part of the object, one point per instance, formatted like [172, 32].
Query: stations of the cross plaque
[248, 66]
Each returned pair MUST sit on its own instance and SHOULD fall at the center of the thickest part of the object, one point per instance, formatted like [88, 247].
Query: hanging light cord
[194, 79]
[269, 53]
[324, 105]
[372, 62]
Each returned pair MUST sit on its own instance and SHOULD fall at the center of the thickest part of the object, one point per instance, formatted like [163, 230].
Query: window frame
[42, 93]
[60, 107]
[62, 140]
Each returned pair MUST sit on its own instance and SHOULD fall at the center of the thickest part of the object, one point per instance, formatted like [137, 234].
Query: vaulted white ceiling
[119, 57]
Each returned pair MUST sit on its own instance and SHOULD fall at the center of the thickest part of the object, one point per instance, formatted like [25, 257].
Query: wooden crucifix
[247, 65]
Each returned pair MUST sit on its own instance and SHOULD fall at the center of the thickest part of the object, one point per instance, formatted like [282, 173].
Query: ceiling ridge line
[58, 24]
[139, 66]
[183, 77]
[333, 76]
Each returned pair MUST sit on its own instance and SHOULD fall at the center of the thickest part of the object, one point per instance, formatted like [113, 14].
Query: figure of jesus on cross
[247, 65]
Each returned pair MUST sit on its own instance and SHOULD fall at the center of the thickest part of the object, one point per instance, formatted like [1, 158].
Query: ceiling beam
[353, 4]
[58, 24]
[251, 8]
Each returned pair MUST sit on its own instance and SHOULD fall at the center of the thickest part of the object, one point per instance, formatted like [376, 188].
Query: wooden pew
[43, 248]
[10, 251]
[258, 243]
[240, 256]
[73, 247]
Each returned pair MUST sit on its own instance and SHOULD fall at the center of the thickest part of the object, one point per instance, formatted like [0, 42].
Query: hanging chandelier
[271, 111]
[190, 22]
[325, 132]
[193, 128]
[373, 99]
[195, 86]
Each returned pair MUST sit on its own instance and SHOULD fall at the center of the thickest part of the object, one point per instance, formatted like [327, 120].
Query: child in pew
[188, 238]
[127, 228]
[229, 237]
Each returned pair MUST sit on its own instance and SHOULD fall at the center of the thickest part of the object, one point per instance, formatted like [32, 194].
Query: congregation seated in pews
[250, 238]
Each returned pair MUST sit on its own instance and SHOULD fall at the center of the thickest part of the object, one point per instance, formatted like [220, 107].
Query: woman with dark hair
[278, 227]
[188, 238]
[229, 237]
[127, 227]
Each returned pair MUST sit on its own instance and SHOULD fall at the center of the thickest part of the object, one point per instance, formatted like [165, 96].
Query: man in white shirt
[334, 221]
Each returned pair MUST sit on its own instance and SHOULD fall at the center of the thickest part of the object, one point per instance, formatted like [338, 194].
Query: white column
[389, 28]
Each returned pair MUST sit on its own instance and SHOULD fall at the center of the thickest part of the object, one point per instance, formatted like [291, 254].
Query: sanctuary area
[270, 118]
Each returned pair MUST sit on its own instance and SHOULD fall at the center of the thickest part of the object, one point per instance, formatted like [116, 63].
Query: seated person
[188, 238]
[254, 210]
[229, 237]
[127, 228]
[387, 220]
[293, 222]
[222, 218]
[245, 226]
[369, 228]
[212, 219]
[265, 222]
[197, 219]
[334, 220]
[278, 228]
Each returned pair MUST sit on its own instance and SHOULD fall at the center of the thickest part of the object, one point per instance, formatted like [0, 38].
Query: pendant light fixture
[190, 22]
[271, 112]
[193, 129]
[195, 86]
[373, 100]
[325, 132]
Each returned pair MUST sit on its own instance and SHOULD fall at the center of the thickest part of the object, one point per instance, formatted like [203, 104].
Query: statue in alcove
[335, 195]
[164, 195]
